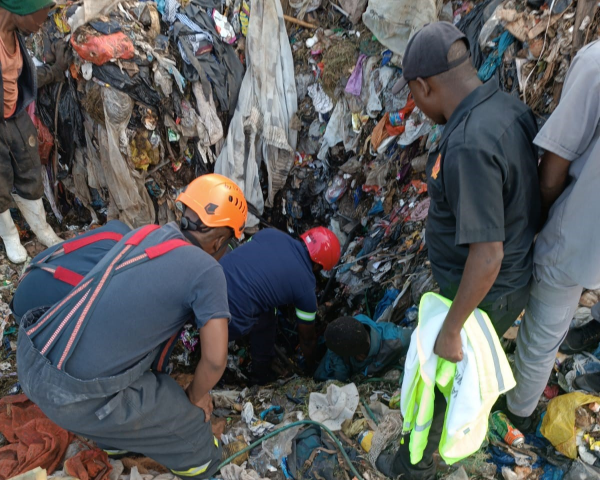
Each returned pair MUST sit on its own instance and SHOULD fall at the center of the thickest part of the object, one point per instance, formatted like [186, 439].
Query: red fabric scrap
[551, 391]
[89, 465]
[34, 440]
[45, 139]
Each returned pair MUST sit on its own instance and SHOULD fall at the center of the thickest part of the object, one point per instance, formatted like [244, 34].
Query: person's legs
[552, 303]
[8, 231]
[152, 417]
[21, 137]
[262, 348]
[502, 313]
[262, 338]
[505, 310]
[399, 464]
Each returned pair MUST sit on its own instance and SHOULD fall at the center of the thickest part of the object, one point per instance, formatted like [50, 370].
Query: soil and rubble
[147, 106]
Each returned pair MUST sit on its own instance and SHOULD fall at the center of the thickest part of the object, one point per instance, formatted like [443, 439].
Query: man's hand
[205, 403]
[213, 342]
[63, 54]
[481, 270]
[448, 345]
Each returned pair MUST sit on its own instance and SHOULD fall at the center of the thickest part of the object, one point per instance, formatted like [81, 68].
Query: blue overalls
[141, 409]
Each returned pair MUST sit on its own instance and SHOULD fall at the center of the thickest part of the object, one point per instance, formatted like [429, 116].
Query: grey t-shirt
[570, 239]
[141, 307]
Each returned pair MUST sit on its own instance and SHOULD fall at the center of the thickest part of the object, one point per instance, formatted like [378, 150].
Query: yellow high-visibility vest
[471, 386]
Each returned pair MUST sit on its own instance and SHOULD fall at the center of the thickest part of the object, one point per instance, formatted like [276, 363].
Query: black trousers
[20, 165]
[503, 312]
[262, 337]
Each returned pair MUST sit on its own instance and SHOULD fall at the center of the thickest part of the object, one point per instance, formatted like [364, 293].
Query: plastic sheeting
[393, 23]
[128, 195]
[260, 130]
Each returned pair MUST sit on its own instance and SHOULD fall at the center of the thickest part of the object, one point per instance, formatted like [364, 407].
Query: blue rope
[494, 59]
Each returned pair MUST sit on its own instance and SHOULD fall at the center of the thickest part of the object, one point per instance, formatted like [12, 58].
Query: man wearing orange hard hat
[94, 362]
[271, 270]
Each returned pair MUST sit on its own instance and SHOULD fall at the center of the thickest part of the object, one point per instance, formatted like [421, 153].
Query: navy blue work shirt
[271, 270]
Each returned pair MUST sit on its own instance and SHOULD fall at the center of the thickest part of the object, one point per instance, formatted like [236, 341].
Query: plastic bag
[393, 23]
[337, 189]
[138, 87]
[488, 29]
[558, 425]
[103, 48]
[69, 129]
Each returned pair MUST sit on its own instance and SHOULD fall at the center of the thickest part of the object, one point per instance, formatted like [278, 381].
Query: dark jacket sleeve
[47, 74]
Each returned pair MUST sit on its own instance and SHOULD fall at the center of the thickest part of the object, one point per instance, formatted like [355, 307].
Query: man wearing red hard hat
[272, 270]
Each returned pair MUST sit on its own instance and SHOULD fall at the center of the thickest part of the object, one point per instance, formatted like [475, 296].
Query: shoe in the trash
[580, 339]
[589, 382]
[523, 424]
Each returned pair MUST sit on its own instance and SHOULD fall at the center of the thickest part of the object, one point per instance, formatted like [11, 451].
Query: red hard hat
[323, 246]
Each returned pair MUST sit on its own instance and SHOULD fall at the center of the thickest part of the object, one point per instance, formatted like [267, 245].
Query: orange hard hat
[323, 246]
[218, 201]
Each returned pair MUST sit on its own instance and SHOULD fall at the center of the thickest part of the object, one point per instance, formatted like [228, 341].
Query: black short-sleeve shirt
[483, 184]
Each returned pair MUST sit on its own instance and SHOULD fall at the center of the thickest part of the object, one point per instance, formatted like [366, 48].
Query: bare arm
[481, 270]
[553, 172]
[213, 341]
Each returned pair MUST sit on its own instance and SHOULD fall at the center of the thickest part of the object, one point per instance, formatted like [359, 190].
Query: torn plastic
[280, 446]
[393, 23]
[138, 87]
[126, 186]
[104, 48]
[69, 129]
[559, 423]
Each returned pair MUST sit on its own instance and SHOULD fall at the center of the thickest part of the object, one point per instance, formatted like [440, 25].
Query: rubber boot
[12, 243]
[34, 213]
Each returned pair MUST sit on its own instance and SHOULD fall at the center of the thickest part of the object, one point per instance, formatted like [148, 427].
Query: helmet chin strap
[190, 237]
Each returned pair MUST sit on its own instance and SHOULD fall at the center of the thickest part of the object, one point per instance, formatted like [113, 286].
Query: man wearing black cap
[485, 201]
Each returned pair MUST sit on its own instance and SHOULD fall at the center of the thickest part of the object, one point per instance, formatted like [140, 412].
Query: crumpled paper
[334, 407]
[257, 427]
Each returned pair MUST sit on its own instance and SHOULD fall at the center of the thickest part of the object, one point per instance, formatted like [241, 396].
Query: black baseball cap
[426, 54]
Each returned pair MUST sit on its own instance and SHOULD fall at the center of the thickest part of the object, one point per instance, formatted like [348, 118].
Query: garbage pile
[312, 129]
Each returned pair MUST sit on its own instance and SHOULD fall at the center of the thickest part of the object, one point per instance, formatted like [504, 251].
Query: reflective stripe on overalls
[64, 274]
[87, 294]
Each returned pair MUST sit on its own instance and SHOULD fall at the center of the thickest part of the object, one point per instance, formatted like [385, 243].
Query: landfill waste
[32, 439]
[500, 424]
[312, 130]
[337, 406]
[568, 421]
[365, 438]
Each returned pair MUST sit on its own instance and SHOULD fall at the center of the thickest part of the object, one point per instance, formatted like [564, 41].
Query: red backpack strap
[85, 241]
[142, 233]
[165, 247]
[165, 353]
[68, 276]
